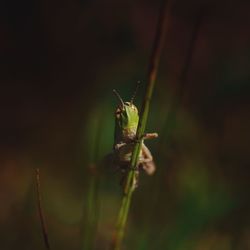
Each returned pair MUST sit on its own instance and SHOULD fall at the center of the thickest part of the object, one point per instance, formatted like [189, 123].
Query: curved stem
[152, 73]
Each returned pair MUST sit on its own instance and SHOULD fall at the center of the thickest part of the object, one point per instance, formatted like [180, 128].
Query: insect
[126, 122]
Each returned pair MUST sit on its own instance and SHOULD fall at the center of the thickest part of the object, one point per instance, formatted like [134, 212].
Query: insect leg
[146, 136]
[147, 161]
[119, 145]
[124, 180]
[150, 135]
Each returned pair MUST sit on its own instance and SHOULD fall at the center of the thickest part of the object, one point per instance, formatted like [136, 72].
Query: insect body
[126, 122]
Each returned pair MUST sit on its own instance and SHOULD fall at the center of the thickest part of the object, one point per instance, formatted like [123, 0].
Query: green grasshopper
[126, 122]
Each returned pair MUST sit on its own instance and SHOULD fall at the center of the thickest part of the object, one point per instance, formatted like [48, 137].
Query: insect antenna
[119, 97]
[133, 96]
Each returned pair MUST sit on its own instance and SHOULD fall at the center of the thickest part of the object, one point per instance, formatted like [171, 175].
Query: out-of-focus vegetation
[59, 64]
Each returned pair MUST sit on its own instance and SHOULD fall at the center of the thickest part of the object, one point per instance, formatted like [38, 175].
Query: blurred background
[60, 61]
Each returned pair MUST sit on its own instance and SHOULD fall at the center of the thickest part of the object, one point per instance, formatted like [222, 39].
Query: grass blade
[151, 79]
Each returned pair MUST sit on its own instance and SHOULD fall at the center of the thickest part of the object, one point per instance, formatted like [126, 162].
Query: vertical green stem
[91, 209]
[152, 73]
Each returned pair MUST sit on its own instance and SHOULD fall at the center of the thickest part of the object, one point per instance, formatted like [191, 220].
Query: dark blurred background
[60, 60]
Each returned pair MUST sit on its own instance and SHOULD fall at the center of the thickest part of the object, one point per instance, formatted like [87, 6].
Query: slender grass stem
[151, 79]
[40, 210]
[91, 208]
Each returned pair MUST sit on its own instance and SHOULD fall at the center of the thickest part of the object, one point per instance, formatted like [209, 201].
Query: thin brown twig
[40, 210]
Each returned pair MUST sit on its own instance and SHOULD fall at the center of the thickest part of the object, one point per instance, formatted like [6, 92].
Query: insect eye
[134, 108]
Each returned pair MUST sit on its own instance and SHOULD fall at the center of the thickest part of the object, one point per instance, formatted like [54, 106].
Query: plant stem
[40, 210]
[152, 73]
[91, 208]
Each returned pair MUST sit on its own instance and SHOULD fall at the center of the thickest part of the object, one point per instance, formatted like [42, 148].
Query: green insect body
[126, 122]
